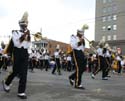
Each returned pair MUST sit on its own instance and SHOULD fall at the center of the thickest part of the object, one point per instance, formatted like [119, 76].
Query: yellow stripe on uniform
[77, 69]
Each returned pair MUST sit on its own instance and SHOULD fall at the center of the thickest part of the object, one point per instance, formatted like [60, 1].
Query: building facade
[50, 45]
[110, 23]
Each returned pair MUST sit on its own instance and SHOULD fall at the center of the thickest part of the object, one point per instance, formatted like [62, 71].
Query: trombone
[91, 45]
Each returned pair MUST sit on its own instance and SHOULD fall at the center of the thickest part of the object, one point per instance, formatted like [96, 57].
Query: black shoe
[59, 74]
[71, 82]
[22, 96]
[54, 73]
[5, 87]
[80, 87]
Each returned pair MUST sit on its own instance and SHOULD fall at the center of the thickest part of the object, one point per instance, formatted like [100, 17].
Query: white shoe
[93, 76]
[80, 86]
[71, 82]
[5, 87]
[22, 95]
[104, 78]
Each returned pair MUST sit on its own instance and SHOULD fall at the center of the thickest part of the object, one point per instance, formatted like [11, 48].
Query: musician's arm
[26, 34]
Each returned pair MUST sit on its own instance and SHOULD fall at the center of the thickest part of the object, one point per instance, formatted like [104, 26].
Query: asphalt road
[43, 86]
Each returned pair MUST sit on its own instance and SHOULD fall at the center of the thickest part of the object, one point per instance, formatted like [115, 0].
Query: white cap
[106, 45]
[80, 31]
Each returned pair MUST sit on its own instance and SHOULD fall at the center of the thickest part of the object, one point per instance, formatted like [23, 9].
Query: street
[43, 86]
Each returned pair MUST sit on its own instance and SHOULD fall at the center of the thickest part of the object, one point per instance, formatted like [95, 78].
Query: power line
[100, 17]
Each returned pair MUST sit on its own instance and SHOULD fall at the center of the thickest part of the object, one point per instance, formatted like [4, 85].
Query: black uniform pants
[102, 64]
[20, 68]
[46, 64]
[119, 67]
[108, 62]
[57, 66]
[80, 66]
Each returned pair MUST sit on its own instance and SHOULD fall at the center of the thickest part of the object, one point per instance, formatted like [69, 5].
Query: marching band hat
[106, 45]
[24, 19]
[80, 31]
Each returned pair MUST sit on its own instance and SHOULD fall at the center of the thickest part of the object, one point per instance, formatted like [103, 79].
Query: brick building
[50, 45]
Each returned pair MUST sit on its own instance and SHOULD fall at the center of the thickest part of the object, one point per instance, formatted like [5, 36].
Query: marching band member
[78, 45]
[123, 64]
[33, 60]
[90, 63]
[4, 58]
[108, 60]
[102, 64]
[119, 59]
[57, 61]
[21, 41]
[46, 60]
[64, 62]
[69, 62]
[42, 59]
[1, 58]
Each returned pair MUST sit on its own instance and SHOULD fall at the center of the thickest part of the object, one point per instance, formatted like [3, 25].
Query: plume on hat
[85, 27]
[24, 19]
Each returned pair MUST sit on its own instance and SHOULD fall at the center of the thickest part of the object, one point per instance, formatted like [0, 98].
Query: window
[109, 18]
[103, 28]
[103, 19]
[114, 17]
[104, 1]
[114, 47]
[103, 38]
[104, 10]
[108, 37]
[109, 9]
[114, 8]
[114, 27]
[114, 37]
[109, 1]
[109, 28]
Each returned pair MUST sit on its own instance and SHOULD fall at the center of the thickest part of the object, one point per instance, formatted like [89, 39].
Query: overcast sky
[58, 19]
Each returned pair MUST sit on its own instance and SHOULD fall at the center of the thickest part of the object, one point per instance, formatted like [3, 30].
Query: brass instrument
[37, 36]
[86, 27]
[91, 45]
